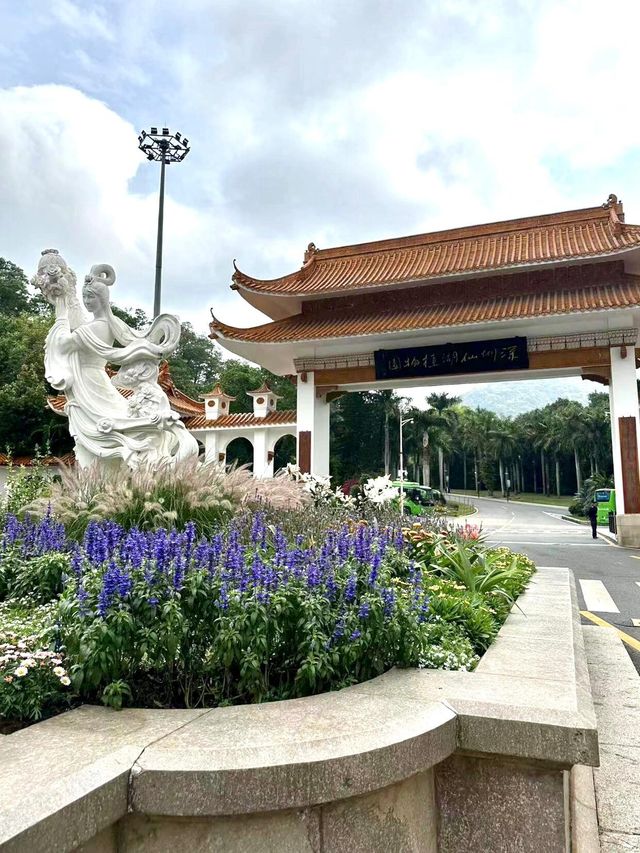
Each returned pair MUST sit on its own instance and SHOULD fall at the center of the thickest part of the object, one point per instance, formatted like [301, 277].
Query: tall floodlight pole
[403, 421]
[165, 147]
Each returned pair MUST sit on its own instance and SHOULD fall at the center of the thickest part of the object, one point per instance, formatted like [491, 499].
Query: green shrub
[37, 578]
[25, 485]
[34, 682]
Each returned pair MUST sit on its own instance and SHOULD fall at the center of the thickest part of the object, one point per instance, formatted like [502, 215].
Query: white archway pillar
[625, 442]
[210, 441]
[262, 467]
[312, 427]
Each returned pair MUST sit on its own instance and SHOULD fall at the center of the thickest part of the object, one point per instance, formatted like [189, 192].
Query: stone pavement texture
[616, 695]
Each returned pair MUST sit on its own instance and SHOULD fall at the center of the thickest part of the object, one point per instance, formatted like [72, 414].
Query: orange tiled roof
[263, 389]
[217, 391]
[28, 461]
[329, 324]
[242, 419]
[558, 237]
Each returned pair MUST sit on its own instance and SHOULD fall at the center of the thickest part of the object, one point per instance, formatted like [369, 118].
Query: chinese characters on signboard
[472, 357]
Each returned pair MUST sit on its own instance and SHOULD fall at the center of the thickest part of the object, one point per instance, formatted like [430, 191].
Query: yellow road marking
[634, 556]
[630, 641]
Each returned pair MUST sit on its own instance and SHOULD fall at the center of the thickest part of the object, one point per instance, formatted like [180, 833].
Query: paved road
[607, 577]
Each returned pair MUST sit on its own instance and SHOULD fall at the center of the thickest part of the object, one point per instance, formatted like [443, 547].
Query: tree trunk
[535, 477]
[557, 476]
[576, 458]
[441, 468]
[475, 464]
[501, 464]
[544, 485]
[464, 469]
[387, 445]
[426, 465]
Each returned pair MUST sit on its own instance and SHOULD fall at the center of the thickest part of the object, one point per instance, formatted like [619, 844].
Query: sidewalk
[615, 686]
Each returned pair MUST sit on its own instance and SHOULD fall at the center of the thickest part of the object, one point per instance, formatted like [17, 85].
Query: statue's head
[95, 291]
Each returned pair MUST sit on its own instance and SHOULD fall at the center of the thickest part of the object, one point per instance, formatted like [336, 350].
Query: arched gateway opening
[239, 451]
[284, 451]
[551, 295]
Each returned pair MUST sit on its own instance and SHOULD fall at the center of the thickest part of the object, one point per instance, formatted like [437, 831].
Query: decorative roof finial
[310, 252]
[611, 200]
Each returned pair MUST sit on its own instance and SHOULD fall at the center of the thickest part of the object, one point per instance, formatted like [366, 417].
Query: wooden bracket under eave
[602, 374]
[329, 392]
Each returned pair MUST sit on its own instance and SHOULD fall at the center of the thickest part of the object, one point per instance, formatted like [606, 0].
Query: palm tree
[504, 439]
[484, 423]
[442, 404]
[463, 437]
[390, 403]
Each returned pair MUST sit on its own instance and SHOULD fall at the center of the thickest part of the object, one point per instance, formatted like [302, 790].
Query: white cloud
[317, 120]
[68, 161]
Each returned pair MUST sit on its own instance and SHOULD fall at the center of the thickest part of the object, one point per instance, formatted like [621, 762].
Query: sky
[324, 120]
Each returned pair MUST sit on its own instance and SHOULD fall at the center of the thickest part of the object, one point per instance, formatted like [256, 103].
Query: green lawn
[527, 497]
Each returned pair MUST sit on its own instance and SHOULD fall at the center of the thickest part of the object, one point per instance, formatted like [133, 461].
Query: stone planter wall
[415, 761]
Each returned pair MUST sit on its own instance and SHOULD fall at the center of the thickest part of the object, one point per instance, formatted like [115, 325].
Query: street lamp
[165, 147]
[403, 421]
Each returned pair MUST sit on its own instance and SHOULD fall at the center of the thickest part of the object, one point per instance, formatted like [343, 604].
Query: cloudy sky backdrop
[336, 121]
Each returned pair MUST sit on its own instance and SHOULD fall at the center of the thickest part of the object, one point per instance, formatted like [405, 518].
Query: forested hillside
[516, 398]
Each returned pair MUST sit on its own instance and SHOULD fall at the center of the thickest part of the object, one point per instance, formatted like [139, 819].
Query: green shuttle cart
[606, 502]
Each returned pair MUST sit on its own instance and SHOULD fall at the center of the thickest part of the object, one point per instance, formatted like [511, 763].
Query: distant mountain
[515, 398]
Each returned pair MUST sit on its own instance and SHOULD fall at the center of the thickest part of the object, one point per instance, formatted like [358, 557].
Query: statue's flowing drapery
[99, 417]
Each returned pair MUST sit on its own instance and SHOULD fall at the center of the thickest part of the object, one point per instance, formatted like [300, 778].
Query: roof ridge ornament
[616, 213]
[310, 252]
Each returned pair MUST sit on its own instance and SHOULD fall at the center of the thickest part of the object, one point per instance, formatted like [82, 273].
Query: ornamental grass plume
[167, 495]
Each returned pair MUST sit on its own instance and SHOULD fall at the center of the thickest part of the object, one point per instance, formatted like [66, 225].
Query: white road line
[638, 583]
[552, 567]
[596, 597]
[546, 544]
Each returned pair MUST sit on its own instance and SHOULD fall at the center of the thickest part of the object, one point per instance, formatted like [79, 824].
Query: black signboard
[471, 357]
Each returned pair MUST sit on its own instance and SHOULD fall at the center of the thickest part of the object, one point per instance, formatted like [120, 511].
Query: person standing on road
[592, 512]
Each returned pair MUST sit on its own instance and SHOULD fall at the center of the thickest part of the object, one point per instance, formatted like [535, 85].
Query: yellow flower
[21, 670]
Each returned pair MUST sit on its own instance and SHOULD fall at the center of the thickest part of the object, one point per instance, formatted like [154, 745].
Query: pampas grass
[168, 495]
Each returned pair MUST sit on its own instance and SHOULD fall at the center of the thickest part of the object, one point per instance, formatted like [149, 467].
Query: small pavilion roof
[264, 389]
[556, 238]
[622, 293]
[217, 391]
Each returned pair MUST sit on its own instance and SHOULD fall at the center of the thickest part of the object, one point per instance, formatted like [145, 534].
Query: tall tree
[443, 404]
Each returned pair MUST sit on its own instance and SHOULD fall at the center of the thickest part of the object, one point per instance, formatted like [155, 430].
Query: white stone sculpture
[141, 430]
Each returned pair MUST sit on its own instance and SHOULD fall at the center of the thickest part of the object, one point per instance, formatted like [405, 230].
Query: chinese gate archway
[552, 295]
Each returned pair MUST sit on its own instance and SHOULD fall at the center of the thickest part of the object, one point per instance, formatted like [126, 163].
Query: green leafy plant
[34, 681]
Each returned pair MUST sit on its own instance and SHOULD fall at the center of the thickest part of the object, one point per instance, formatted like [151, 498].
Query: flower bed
[273, 606]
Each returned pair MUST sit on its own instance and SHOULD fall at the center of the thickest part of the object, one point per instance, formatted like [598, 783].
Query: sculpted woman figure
[105, 425]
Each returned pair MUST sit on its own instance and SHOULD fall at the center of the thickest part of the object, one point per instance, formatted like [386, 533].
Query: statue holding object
[107, 427]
